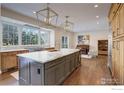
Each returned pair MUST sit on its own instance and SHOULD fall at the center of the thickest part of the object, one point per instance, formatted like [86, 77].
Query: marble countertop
[45, 56]
[10, 50]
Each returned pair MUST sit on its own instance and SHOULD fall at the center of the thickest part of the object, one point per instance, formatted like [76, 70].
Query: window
[65, 43]
[45, 38]
[19, 34]
[29, 35]
[10, 34]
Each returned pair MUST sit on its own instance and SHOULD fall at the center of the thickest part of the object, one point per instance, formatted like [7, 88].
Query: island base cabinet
[36, 73]
[24, 71]
[60, 73]
[50, 76]
[55, 74]
[49, 73]
[67, 66]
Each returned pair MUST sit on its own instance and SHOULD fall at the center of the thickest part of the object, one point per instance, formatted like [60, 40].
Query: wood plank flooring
[91, 72]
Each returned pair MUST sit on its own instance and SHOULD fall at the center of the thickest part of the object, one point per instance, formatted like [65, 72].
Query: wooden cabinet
[118, 61]
[60, 73]
[117, 24]
[9, 60]
[102, 47]
[67, 66]
[113, 11]
[50, 76]
[55, 72]
[121, 22]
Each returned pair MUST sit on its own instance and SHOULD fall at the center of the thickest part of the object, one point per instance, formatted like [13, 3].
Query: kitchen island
[47, 68]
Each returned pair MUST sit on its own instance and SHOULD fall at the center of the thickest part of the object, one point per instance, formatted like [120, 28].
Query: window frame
[30, 38]
[67, 42]
[9, 23]
[20, 25]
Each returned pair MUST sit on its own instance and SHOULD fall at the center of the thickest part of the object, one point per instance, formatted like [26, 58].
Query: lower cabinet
[9, 60]
[118, 61]
[121, 57]
[72, 63]
[60, 73]
[55, 74]
[67, 66]
[50, 76]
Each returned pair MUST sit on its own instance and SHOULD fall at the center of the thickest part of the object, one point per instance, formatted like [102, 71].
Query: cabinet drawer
[24, 51]
[8, 53]
[54, 62]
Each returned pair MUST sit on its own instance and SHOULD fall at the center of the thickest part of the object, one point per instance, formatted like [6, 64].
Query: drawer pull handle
[38, 71]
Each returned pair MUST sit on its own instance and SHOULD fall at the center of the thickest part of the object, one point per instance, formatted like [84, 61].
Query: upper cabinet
[113, 10]
[116, 19]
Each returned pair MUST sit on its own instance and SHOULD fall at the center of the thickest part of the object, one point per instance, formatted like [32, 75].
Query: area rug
[15, 75]
[86, 56]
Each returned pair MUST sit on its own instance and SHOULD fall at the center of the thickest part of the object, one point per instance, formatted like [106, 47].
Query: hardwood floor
[8, 79]
[91, 72]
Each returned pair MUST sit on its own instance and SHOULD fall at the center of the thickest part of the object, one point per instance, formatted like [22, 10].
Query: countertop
[45, 56]
[11, 50]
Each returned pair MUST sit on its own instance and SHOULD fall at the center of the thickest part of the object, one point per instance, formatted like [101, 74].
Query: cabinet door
[113, 11]
[24, 71]
[72, 64]
[67, 66]
[9, 61]
[76, 60]
[113, 28]
[121, 62]
[113, 58]
[79, 58]
[60, 72]
[50, 76]
[121, 15]
[117, 63]
[36, 73]
[117, 25]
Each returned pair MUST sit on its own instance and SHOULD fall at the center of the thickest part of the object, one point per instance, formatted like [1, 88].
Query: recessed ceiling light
[34, 12]
[97, 23]
[95, 6]
[97, 16]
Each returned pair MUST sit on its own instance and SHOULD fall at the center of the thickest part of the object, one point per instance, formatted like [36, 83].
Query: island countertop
[45, 56]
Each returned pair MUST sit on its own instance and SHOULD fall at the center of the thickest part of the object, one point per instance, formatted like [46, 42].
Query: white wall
[94, 37]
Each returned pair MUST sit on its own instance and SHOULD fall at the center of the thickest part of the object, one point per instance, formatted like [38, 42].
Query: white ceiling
[83, 15]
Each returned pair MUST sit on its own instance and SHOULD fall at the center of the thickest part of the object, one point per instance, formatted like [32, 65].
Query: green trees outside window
[10, 34]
